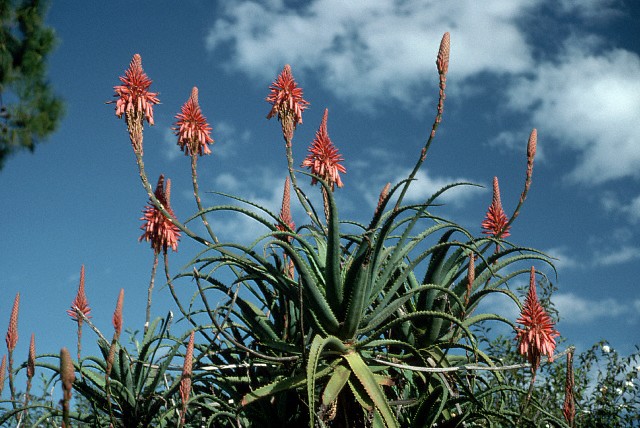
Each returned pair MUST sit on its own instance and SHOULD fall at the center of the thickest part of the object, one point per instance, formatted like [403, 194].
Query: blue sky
[569, 69]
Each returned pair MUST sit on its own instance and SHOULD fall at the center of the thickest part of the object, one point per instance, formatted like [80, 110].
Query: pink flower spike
[185, 380]
[286, 98]
[323, 158]
[192, 129]
[443, 54]
[157, 228]
[3, 369]
[80, 301]
[133, 95]
[537, 337]
[31, 360]
[117, 314]
[12, 332]
[496, 220]
[286, 221]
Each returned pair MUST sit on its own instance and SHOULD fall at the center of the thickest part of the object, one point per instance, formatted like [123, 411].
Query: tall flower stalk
[135, 101]
[537, 336]
[81, 304]
[287, 104]
[324, 161]
[194, 137]
[11, 340]
[160, 232]
[442, 64]
[31, 369]
[3, 370]
[68, 377]
[185, 378]
[496, 223]
[569, 405]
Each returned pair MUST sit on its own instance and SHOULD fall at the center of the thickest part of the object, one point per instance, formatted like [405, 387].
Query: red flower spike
[31, 360]
[569, 406]
[192, 129]
[185, 380]
[323, 158]
[157, 228]
[286, 99]
[80, 301]
[117, 314]
[383, 195]
[443, 54]
[471, 277]
[68, 377]
[496, 220]
[537, 337]
[3, 369]
[531, 153]
[133, 95]
[286, 221]
[12, 332]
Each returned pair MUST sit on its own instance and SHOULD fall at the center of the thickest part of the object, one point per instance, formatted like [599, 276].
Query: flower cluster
[192, 129]
[286, 101]
[496, 222]
[133, 95]
[323, 158]
[537, 337]
[80, 302]
[158, 229]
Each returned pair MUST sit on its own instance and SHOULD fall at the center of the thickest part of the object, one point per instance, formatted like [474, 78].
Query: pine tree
[29, 110]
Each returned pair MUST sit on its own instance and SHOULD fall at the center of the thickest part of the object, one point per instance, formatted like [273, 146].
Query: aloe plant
[333, 323]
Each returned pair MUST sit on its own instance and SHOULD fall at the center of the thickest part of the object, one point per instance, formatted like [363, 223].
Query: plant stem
[150, 290]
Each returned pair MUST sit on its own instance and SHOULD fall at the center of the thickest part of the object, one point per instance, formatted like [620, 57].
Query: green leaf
[337, 381]
[375, 393]
[317, 346]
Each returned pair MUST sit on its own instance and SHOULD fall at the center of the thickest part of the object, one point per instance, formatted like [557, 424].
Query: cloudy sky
[570, 69]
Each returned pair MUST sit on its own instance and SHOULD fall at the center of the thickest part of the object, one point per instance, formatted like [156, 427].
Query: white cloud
[516, 141]
[375, 49]
[630, 210]
[621, 255]
[424, 186]
[563, 259]
[592, 9]
[170, 147]
[587, 98]
[228, 138]
[589, 103]
[575, 309]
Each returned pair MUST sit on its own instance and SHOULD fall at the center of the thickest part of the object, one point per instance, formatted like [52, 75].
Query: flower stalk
[11, 340]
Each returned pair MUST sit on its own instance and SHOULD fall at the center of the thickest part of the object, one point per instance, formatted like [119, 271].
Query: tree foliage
[29, 110]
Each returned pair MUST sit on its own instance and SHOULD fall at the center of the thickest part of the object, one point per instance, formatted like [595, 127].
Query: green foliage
[29, 110]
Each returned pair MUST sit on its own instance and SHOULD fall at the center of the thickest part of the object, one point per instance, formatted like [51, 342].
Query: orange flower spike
[286, 97]
[323, 158]
[80, 301]
[569, 406]
[442, 61]
[537, 337]
[286, 102]
[185, 381]
[68, 377]
[495, 223]
[133, 95]
[3, 370]
[192, 129]
[286, 221]
[157, 228]
[531, 153]
[12, 332]
[117, 314]
[31, 360]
